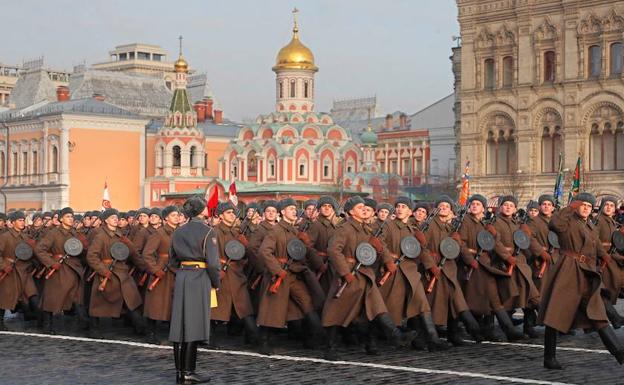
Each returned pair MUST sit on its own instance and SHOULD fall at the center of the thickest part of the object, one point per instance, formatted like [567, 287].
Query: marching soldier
[63, 285]
[159, 296]
[519, 291]
[538, 226]
[310, 214]
[361, 300]
[446, 297]
[233, 297]
[383, 210]
[124, 228]
[421, 211]
[256, 265]
[113, 289]
[194, 252]
[369, 213]
[292, 299]
[533, 209]
[403, 292]
[571, 294]
[17, 284]
[613, 271]
[3, 223]
[480, 290]
[320, 233]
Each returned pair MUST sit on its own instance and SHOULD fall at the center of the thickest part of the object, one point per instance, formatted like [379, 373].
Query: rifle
[296, 252]
[4, 273]
[245, 226]
[410, 248]
[157, 279]
[425, 225]
[105, 279]
[52, 271]
[383, 224]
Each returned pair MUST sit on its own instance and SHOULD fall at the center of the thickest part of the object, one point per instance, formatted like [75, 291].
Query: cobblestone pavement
[27, 357]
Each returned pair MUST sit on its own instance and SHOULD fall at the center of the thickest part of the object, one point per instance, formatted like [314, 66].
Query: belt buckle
[582, 258]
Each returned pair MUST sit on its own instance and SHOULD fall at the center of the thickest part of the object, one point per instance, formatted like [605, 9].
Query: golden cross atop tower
[180, 38]
[295, 11]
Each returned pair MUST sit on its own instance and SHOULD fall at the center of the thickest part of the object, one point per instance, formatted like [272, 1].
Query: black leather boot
[612, 343]
[505, 323]
[33, 304]
[488, 330]
[94, 328]
[368, 331]
[614, 317]
[453, 334]
[471, 324]
[331, 353]
[2, 325]
[419, 342]
[264, 346]
[152, 332]
[434, 343]
[550, 349]
[190, 365]
[251, 330]
[178, 358]
[82, 317]
[48, 327]
[138, 322]
[529, 323]
[315, 330]
[396, 336]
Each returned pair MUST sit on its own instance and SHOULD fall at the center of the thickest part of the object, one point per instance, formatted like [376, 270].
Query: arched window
[281, 89]
[489, 74]
[292, 88]
[606, 151]
[177, 156]
[35, 162]
[193, 157]
[549, 66]
[306, 87]
[350, 165]
[234, 168]
[551, 147]
[507, 71]
[54, 159]
[595, 61]
[252, 168]
[25, 163]
[302, 166]
[327, 167]
[271, 167]
[616, 59]
[160, 157]
[501, 146]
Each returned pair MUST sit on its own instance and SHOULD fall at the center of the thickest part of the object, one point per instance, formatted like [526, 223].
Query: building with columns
[535, 79]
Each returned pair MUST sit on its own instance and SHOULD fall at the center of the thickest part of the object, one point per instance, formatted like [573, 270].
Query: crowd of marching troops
[403, 273]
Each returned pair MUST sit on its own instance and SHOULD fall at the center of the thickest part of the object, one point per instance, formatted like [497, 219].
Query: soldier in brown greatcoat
[120, 291]
[612, 272]
[320, 232]
[310, 215]
[63, 287]
[539, 231]
[139, 239]
[233, 297]
[571, 293]
[18, 285]
[480, 291]
[403, 292]
[293, 299]
[360, 302]
[446, 298]
[158, 300]
[3, 223]
[256, 265]
[518, 291]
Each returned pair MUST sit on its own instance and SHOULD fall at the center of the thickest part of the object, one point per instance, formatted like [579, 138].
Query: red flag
[232, 193]
[106, 204]
[464, 193]
[213, 201]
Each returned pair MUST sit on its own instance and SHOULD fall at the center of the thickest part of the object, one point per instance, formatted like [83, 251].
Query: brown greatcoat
[156, 256]
[66, 285]
[233, 292]
[539, 231]
[570, 294]
[256, 263]
[139, 241]
[320, 232]
[480, 291]
[19, 284]
[403, 293]
[120, 288]
[293, 298]
[447, 293]
[518, 291]
[613, 272]
[361, 298]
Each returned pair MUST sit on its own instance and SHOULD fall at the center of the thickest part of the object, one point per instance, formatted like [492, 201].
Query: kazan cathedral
[298, 152]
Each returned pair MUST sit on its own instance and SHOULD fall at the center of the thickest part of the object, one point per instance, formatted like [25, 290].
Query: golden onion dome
[295, 55]
[180, 65]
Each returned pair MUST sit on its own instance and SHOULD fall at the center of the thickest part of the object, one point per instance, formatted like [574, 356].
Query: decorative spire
[181, 65]
[295, 11]
[180, 38]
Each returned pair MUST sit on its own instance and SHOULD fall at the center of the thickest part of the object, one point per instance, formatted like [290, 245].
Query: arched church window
[306, 91]
[177, 156]
[271, 167]
[193, 157]
[281, 89]
[251, 164]
[549, 66]
[501, 146]
[54, 160]
[292, 88]
[551, 147]
[303, 162]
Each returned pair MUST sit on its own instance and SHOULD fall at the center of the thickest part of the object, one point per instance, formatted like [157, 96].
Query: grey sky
[396, 49]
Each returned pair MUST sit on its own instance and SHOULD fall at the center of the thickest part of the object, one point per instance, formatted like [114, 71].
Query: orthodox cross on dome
[295, 11]
[180, 38]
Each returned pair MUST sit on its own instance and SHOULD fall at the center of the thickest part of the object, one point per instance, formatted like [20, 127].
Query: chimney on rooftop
[389, 122]
[200, 110]
[208, 102]
[403, 121]
[98, 97]
[218, 116]
[62, 94]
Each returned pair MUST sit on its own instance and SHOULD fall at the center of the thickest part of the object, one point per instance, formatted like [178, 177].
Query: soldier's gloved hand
[108, 274]
[56, 266]
[420, 236]
[349, 277]
[243, 239]
[159, 274]
[511, 260]
[606, 259]
[282, 273]
[545, 256]
[391, 266]
[8, 268]
[125, 240]
[491, 230]
[376, 243]
[435, 271]
[31, 243]
[305, 238]
[456, 237]
[221, 274]
[474, 264]
[83, 240]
